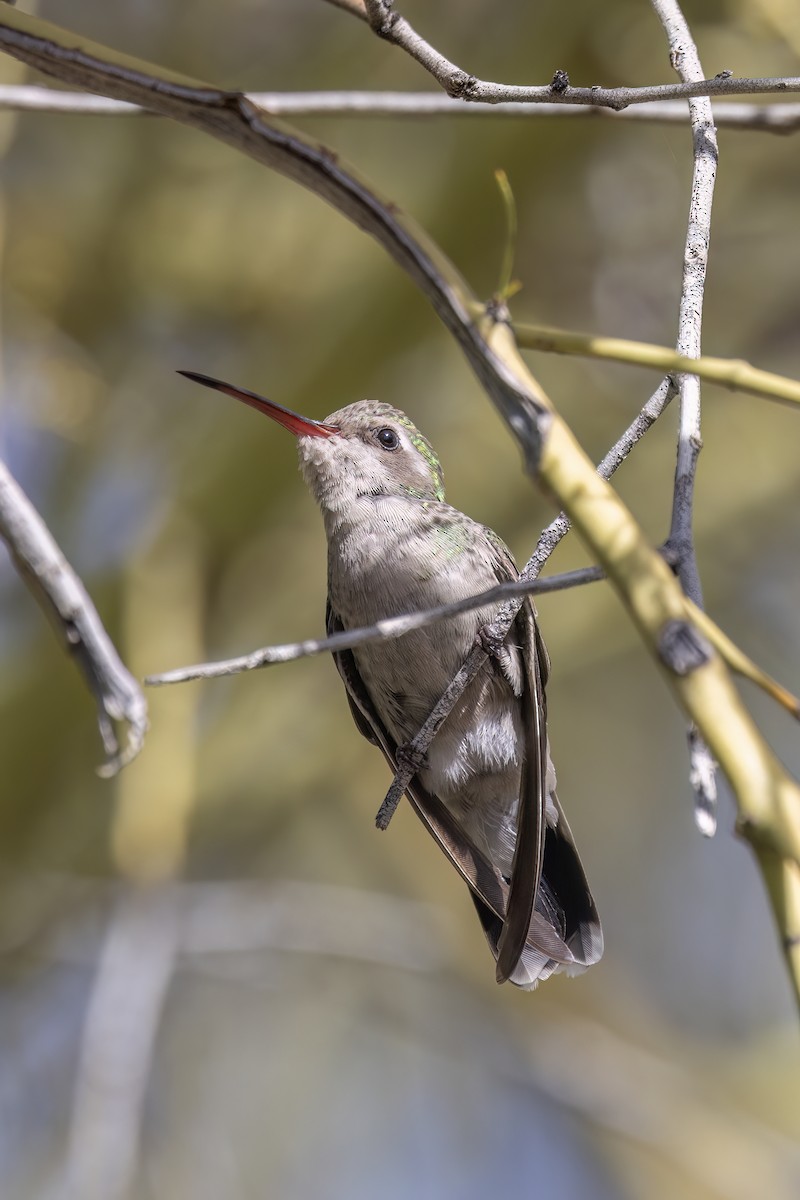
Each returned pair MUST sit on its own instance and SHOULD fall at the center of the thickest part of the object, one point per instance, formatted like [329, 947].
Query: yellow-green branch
[734, 374]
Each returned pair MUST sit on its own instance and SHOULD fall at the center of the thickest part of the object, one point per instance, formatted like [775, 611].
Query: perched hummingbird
[486, 790]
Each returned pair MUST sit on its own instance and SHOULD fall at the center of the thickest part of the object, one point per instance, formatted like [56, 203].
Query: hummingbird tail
[534, 964]
[565, 934]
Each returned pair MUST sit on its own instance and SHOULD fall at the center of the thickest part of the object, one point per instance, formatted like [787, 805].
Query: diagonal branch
[63, 597]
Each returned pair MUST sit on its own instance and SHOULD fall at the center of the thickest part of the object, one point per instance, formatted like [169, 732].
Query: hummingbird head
[365, 449]
[377, 451]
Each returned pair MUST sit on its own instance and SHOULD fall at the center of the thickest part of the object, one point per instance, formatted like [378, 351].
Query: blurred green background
[217, 978]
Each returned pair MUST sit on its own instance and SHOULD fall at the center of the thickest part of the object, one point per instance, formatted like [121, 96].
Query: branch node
[682, 648]
[461, 85]
[560, 82]
[497, 310]
[381, 16]
[491, 639]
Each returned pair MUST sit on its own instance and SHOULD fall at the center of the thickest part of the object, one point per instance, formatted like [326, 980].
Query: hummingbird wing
[564, 890]
[468, 860]
[491, 893]
[526, 867]
[545, 845]
[529, 942]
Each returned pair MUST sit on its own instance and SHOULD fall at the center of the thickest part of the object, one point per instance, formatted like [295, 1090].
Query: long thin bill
[299, 426]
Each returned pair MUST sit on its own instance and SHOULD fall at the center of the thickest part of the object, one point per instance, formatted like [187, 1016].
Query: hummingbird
[486, 790]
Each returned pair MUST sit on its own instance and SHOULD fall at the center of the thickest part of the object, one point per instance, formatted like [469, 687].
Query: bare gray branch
[773, 118]
[390, 627]
[686, 61]
[63, 597]
[389, 24]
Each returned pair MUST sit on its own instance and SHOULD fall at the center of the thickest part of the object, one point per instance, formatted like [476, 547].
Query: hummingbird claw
[489, 641]
[507, 662]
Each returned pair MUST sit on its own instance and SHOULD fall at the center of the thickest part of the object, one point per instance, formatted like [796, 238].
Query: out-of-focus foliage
[315, 1000]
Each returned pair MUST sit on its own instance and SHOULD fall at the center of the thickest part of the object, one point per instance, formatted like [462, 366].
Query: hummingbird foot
[495, 648]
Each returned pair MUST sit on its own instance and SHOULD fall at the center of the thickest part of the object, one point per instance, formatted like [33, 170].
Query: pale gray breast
[401, 558]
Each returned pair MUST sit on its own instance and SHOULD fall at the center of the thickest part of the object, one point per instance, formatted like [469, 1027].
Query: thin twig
[773, 118]
[734, 374]
[384, 630]
[686, 61]
[31, 98]
[506, 287]
[388, 23]
[63, 597]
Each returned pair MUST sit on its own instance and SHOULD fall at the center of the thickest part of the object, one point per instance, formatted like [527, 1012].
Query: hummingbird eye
[388, 438]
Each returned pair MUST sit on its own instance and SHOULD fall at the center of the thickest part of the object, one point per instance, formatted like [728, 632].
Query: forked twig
[388, 23]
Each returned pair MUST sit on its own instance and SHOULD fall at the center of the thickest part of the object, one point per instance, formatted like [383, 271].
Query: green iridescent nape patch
[421, 443]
